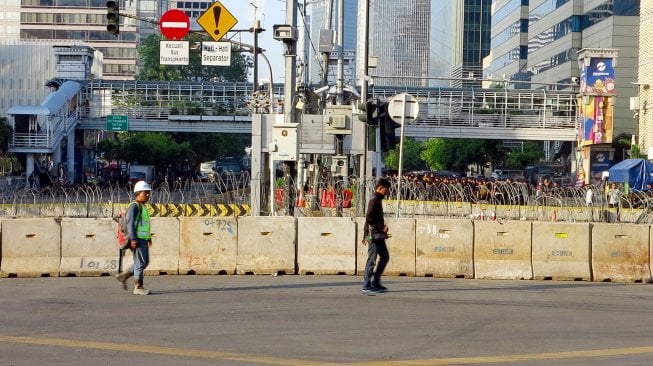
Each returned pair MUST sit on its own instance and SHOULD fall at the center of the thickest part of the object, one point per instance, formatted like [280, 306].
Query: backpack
[121, 227]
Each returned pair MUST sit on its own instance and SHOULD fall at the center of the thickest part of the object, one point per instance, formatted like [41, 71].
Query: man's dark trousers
[375, 248]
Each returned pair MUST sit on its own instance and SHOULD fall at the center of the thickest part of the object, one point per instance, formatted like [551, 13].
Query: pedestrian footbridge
[228, 107]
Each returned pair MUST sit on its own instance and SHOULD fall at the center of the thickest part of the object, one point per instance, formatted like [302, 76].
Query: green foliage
[150, 148]
[411, 156]
[5, 135]
[152, 70]
[532, 154]
[210, 146]
[457, 154]
[162, 149]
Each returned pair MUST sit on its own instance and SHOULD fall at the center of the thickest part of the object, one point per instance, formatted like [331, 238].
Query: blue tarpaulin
[636, 172]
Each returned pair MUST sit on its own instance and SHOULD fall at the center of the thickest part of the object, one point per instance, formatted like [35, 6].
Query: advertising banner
[598, 77]
[599, 162]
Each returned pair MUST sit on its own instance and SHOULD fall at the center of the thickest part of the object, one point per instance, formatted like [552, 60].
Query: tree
[5, 135]
[531, 154]
[411, 156]
[152, 70]
[212, 146]
[458, 154]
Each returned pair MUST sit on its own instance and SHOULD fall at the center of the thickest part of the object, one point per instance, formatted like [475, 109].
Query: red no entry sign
[174, 24]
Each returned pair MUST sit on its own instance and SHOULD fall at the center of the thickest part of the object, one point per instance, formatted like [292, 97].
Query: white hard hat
[141, 185]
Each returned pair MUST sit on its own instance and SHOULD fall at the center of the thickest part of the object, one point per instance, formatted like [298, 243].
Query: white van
[207, 170]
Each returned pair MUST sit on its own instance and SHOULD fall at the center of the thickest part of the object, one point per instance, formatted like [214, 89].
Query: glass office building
[83, 20]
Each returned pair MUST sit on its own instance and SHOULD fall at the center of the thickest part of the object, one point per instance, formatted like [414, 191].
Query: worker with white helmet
[139, 235]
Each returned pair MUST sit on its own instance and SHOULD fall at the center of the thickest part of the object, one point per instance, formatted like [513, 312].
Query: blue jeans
[141, 259]
[373, 275]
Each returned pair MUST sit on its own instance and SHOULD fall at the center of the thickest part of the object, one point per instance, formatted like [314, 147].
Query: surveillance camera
[321, 90]
[575, 80]
[284, 32]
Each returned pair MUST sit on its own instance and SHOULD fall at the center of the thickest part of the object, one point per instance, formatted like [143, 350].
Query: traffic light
[113, 17]
[387, 130]
[369, 115]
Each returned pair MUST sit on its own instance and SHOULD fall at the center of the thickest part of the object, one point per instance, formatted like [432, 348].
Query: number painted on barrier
[99, 265]
[222, 225]
[561, 253]
[205, 262]
[430, 229]
[444, 249]
[621, 254]
[502, 251]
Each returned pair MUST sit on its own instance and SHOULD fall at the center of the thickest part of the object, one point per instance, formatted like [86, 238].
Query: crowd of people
[431, 187]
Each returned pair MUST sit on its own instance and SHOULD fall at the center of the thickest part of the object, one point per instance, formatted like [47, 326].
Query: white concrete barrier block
[88, 247]
[30, 247]
[502, 250]
[445, 248]
[266, 245]
[561, 251]
[164, 253]
[208, 245]
[401, 246]
[326, 245]
[621, 253]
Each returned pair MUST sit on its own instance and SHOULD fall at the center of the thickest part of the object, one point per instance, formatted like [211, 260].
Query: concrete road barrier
[88, 247]
[326, 245]
[502, 250]
[561, 251]
[266, 245]
[208, 245]
[164, 253]
[445, 248]
[30, 247]
[401, 246]
[621, 253]
[509, 212]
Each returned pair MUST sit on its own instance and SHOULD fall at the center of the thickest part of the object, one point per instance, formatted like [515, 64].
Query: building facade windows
[507, 9]
[545, 9]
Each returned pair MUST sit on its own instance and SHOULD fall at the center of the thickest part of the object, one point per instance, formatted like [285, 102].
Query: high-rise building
[543, 52]
[322, 19]
[85, 21]
[472, 30]
[644, 100]
[399, 37]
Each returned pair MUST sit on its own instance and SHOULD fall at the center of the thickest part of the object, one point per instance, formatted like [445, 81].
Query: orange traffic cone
[300, 200]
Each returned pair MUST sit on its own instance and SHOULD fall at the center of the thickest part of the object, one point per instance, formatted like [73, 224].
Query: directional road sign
[217, 21]
[117, 123]
[174, 24]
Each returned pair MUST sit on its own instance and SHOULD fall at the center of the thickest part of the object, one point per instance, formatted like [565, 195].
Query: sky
[269, 12]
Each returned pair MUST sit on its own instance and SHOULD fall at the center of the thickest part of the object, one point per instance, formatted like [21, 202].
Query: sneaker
[370, 290]
[141, 291]
[122, 278]
[380, 288]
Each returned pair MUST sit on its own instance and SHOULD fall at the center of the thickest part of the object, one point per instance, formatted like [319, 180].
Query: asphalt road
[323, 320]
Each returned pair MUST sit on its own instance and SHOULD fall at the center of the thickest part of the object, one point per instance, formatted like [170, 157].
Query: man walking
[376, 231]
[139, 236]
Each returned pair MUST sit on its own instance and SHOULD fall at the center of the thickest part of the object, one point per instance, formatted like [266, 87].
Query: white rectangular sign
[216, 53]
[174, 52]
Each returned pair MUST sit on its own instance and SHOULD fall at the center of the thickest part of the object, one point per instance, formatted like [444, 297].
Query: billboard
[598, 77]
[596, 120]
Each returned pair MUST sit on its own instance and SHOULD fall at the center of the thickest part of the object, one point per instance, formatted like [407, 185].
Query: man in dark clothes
[376, 231]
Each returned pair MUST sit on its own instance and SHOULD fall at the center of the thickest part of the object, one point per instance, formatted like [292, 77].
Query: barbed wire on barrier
[345, 196]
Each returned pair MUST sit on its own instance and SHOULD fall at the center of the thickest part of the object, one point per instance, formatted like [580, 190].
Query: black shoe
[370, 290]
[380, 288]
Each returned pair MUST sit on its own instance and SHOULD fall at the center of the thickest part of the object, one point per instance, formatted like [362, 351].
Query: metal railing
[438, 106]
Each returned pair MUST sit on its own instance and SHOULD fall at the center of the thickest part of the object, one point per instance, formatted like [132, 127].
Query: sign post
[174, 24]
[402, 108]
